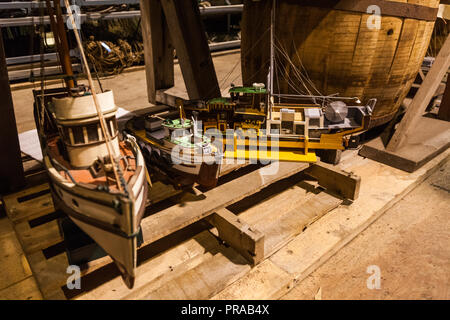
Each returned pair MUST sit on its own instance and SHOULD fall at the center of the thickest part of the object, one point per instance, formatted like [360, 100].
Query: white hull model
[81, 178]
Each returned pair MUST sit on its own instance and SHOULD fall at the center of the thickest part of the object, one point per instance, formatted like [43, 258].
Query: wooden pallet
[199, 235]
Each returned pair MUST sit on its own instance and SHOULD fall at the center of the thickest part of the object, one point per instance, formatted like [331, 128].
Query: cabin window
[300, 129]
[275, 128]
[78, 136]
[66, 135]
[314, 122]
[287, 126]
[92, 132]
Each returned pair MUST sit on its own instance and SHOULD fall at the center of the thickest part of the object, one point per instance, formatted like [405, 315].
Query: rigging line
[295, 70]
[95, 69]
[96, 103]
[254, 74]
[292, 84]
[286, 68]
[223, 81]
[237, 63]
[301, 81]
[248, 52]
[305, 71]
[278, 79]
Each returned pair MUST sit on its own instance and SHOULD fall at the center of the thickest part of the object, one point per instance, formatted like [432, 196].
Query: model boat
[96, 178]
[296, 125]
[176, 149]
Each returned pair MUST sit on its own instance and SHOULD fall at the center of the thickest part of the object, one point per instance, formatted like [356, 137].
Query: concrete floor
[410, 244]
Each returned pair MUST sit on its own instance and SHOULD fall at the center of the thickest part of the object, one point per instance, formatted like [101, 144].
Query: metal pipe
[29, 21]
[226, 45]
[81, 3]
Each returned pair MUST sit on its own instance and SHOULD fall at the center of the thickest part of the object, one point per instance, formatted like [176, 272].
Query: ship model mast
[57, 25]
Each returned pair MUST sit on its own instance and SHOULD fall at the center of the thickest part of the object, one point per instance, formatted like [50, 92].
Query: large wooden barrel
[331, 40]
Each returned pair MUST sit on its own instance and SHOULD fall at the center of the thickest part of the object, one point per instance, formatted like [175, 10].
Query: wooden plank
[19, 211]
[176, 217]
[293, 222]
[422, 98]
[205, 280]
[158, 50]
[429, 138]
[151, 272]
[342, 183]
[38, 238]
[160, 191]
[24, 290]
[191, 285]
[14, 263]
[265, 282]
[50, 273]
[11, 170]
[154, 272]
[189, 39]
[246, 240]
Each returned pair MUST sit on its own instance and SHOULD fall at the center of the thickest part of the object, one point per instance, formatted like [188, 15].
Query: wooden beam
[444, 108]
[191, 45]
[422, 98]
[341, 183]
[158, 50]
[174, 218]
[11, 169]
[248, 241]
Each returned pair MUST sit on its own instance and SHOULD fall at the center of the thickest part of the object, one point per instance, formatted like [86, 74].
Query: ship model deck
[250, 119]
[175, 148]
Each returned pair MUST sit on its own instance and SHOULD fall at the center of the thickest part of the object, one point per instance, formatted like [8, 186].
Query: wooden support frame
[11, 169]
[180, 18]
[246, 240]
[236, 238]
[173, 219]
[343, 184]
[158, 49]
[422, 98]
[417, 139]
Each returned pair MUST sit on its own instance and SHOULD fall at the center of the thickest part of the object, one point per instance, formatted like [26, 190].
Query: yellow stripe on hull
[281, 155]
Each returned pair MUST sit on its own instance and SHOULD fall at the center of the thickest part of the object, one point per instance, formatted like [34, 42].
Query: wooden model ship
[302, 126]
[295, 123]
[175, 148]
[96, 178]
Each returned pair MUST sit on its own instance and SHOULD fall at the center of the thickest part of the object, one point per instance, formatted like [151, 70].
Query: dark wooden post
[444, 108]
[158, 50]
[191, 45]
[11, 169]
